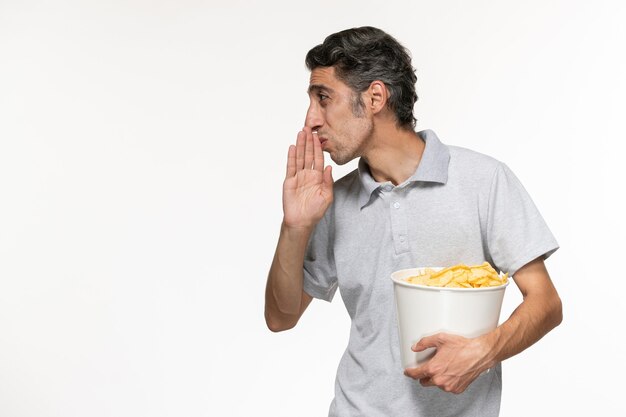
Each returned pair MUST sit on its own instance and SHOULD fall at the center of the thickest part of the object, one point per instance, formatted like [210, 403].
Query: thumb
[425, 343]
[328, 175]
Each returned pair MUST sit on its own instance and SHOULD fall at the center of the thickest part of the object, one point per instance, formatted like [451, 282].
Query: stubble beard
[353, 147]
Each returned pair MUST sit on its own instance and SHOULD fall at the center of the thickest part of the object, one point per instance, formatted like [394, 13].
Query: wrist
[490, 346]
[300, 231]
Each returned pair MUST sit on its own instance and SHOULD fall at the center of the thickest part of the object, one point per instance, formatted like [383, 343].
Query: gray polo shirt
[458, 207]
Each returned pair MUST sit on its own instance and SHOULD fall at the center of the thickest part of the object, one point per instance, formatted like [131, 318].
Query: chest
[401, 230]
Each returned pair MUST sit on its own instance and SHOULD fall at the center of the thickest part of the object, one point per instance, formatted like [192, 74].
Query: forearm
[533, 319]
[283, 295]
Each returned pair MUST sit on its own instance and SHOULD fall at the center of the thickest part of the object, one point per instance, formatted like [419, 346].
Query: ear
[377, 96]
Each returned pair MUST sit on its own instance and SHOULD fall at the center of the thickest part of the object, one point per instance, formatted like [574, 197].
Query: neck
[394, 154]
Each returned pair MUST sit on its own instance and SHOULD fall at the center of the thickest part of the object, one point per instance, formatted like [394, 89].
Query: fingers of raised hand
[317, 153]
[306, 154]
[309, 154]
[300, 145]
[291, 161]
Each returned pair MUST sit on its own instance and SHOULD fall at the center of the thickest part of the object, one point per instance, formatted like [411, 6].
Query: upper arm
[516, 234]
[533, 280]
[306, 300]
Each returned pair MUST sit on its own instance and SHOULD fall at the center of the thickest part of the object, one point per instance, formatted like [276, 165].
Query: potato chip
[460, 276]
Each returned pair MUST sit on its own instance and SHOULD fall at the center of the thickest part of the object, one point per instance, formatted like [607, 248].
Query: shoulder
[347, 184]
[464, 156]
[472, 165]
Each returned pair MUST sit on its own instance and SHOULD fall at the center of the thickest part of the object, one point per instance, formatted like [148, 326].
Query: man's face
[343, 125]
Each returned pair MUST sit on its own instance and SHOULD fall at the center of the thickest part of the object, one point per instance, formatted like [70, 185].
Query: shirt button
[401, 238]
[396, 205]
[387, 187]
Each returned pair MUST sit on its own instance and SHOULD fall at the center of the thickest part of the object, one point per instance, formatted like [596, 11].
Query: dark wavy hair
[366, 54]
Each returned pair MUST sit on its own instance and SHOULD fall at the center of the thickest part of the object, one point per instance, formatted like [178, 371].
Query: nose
[314, 118]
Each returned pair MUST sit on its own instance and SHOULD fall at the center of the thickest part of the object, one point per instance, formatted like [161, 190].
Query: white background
[142, 153]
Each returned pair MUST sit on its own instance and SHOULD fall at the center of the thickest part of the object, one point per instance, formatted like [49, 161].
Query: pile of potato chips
[460, 276]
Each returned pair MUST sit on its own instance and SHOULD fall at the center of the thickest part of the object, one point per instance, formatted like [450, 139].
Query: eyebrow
[316, 88]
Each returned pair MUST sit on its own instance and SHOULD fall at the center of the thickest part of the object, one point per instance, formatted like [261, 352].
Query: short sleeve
[516, 232]
[320, 276]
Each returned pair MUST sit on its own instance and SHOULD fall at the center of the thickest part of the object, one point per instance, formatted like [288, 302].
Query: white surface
[142, 150]
[423, 311]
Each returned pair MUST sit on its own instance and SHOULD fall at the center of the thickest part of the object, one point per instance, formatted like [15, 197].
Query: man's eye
[322, 97]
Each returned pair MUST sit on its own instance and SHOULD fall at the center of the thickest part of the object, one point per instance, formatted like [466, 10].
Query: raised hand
[308, 186]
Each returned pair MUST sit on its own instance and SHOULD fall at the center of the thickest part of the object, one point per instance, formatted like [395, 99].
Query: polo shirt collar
[433, 167]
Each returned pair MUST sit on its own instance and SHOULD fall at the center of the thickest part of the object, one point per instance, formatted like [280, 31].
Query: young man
[413, 201]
